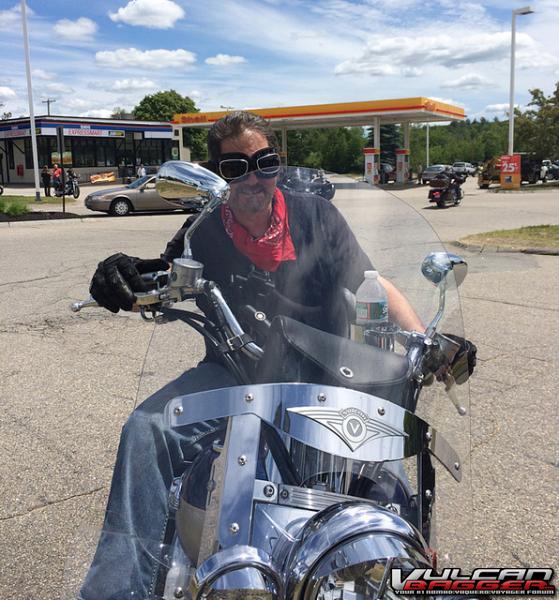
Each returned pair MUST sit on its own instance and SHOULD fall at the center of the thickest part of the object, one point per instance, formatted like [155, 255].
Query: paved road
[69, 382]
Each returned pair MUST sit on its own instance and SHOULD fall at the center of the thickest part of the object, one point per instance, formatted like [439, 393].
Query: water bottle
[371, 310]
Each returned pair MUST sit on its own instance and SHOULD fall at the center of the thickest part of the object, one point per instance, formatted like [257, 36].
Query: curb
[549, 186]
[42, 222]
[489, 248]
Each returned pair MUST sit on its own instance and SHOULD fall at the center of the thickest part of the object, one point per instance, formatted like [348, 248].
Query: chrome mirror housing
[178, 180]
[436, 267]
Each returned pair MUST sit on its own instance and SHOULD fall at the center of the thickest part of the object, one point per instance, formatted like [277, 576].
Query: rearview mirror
[437, 266]
[178, 180]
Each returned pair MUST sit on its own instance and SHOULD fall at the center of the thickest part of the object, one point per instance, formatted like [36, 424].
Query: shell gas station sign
[510, 172]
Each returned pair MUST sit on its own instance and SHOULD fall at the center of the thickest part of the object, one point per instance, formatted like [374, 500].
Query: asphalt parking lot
[69, 382]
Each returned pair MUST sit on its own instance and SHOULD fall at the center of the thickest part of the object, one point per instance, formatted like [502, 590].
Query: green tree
[120, 113]
[162, 106]
[390, 141]
[337, 149]
[537, 128]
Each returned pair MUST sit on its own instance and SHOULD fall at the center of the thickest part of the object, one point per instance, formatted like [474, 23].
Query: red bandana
[272, 248]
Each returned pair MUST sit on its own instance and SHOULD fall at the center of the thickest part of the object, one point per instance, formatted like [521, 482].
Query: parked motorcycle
[336, 452]
[71, 186]
[445, 189]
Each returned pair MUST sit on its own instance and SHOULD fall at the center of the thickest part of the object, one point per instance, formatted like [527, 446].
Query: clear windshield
[392, 238]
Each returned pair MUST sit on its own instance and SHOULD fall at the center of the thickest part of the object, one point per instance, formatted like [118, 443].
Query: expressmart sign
[16, 132]
[88, 132]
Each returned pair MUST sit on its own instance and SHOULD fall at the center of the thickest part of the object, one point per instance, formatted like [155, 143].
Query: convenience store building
[91, 146]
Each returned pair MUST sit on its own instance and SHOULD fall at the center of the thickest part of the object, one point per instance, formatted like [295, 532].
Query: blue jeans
[149, 457]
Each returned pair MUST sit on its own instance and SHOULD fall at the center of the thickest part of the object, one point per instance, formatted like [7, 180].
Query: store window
[47, 150]
[105, 153]
[154, 151]
[84, 152]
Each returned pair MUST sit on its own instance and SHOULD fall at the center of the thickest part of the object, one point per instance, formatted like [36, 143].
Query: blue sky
[94, 55]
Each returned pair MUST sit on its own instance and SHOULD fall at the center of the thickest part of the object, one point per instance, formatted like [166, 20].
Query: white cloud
[133, 84]
[467, 82]
[41, 74]
[412, 71]
[76, 103]
[498, 108]
[364, 67]
[100, 113]
[6, 93]
[11, 18]
[286, 32]
[149, 59]
[154, 14]
[59, 88]
[225, 60]
[383, 53]
[81, 30]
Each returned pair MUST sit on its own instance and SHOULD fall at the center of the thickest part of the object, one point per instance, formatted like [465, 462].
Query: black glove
[464, 360]
[118, 277]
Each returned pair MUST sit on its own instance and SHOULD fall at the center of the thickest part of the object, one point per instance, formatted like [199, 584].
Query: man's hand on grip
[118, 278]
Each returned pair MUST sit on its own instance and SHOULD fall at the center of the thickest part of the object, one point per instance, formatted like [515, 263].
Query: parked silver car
[140, 195]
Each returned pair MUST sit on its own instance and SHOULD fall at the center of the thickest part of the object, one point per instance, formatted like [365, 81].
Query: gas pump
[372, 164]
[402, 165]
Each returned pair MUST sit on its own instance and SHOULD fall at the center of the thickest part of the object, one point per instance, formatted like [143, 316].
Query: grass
[11, 206]
[31, 199]
[534, 236]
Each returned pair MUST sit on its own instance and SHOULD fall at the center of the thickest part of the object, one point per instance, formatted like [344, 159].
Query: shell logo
[430, 105]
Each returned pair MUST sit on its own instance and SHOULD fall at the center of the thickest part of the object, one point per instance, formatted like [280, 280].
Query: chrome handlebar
[184, 280]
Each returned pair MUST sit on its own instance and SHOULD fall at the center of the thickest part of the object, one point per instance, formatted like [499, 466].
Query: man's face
[253, 194]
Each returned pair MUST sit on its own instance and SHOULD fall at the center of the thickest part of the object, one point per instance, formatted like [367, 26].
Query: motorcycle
[446, 190]
[312, 181]
[337, 451]
[71, 186]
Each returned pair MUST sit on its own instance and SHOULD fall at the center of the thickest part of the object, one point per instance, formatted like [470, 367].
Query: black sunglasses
[235, 165]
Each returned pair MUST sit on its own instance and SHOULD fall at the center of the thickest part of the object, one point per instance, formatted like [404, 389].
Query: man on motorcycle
[259, 230]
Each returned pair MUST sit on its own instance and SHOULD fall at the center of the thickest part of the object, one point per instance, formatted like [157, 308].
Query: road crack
[50, 503]
[519, 304]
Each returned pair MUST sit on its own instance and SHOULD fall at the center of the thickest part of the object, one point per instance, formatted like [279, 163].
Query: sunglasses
[265, 163]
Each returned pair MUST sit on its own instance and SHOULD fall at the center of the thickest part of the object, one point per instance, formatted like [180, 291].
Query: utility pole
[48, 102]
[30, 100]
[427, 163]
[525, 10]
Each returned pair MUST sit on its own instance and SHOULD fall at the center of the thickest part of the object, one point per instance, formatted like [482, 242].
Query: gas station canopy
[374, 113]
[345, 114]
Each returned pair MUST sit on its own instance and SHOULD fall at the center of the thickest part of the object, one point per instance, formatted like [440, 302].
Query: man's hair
[233, 125]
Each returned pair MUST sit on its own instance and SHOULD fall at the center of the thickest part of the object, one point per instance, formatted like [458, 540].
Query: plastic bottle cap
[371, 274]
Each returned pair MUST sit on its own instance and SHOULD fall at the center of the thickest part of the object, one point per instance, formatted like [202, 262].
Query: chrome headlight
[237, 573]
[344, 552]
